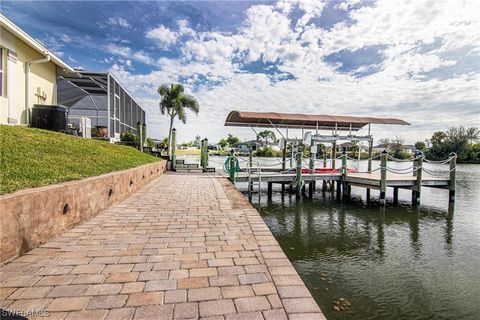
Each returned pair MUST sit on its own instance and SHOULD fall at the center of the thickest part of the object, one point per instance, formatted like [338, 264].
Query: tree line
[465, 142]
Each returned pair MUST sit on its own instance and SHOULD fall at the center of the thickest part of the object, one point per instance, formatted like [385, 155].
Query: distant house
[28, 74]
[410, 148]
[379, 148]
[348, 145]
[244, 147]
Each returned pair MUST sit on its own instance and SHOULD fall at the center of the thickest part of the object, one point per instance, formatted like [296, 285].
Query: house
[244, 147]
[100, 97]
[28, 74]
[379, 148]
[409, 148]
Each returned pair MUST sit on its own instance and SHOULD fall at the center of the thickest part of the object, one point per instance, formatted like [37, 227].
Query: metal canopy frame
[100, 97]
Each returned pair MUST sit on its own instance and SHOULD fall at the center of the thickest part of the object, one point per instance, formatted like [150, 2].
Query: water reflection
[391, 262]
[348, 226]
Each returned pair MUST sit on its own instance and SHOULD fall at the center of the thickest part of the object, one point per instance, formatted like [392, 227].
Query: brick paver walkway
[177, 249]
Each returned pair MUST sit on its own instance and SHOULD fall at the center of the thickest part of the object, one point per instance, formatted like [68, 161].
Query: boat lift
[342, 128]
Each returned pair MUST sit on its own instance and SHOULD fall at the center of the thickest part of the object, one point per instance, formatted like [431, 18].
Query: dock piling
[232, 166]
[369, 168]
[452, 182]
[284, 160]
[324, 182]
[299, 170]
[250, 164]
[313, 156]
[202, 156]
[334, 153]
[383, 176]
[417, 172]
[269, 190]
[173, 156]
[205, 160]
[344, 173]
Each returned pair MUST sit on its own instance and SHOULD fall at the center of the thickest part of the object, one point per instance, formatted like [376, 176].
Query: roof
[297, 120]
[86, 83]
[22, 35]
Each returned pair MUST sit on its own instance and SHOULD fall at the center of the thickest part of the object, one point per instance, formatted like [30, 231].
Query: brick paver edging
[178, 248]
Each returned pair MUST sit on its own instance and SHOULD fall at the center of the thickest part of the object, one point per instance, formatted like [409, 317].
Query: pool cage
[101, 98]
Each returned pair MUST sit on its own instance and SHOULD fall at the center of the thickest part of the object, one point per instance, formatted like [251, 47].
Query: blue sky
[415, 60]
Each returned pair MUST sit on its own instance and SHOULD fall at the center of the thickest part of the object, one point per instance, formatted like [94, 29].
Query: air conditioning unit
[85, 126]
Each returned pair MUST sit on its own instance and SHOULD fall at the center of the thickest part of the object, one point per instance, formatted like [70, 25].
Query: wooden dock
[342, 181]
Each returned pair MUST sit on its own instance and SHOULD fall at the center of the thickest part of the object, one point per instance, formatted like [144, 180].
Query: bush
[128, 137]
[267, 152]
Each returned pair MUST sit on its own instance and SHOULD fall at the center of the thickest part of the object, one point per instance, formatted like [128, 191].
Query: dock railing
[389, 175]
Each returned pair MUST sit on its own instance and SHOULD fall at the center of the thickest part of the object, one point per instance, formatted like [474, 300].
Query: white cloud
[414, 38]
[163, 35]
[117, 21]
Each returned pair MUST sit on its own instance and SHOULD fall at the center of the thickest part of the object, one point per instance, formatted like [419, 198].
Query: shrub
[128, 137]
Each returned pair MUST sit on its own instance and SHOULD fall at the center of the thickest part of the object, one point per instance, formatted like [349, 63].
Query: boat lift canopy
[304, 121]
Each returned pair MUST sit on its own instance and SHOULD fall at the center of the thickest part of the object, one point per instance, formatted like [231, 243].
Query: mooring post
[206, 153]
[344, 172]
[250, 164]
[395, 195]
[299, 170]
[202, 156]
[284, 160]
[232, 166]
[173, 156]
[383, 176]
[310, 189]
[417, 172]
[269, 190]
[313, 156]
[334, 153]
[369, 168]
[452, 182]
[294, 150]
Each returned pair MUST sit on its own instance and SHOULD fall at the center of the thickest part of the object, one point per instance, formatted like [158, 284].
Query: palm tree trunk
[170, 135]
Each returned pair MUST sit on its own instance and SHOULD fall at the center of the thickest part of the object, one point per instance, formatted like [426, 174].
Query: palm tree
[174, 104]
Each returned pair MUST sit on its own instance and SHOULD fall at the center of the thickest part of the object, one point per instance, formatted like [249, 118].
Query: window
[1, 72]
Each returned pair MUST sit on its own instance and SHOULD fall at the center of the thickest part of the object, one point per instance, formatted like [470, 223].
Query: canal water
[392, 262]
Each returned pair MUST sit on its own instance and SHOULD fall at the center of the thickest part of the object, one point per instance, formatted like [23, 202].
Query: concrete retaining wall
[30, 217]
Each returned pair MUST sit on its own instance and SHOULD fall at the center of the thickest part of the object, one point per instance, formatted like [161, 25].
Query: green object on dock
[231, 166]
[173, 156]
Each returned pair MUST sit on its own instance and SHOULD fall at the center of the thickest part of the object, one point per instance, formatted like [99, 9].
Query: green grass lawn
[33, 158]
